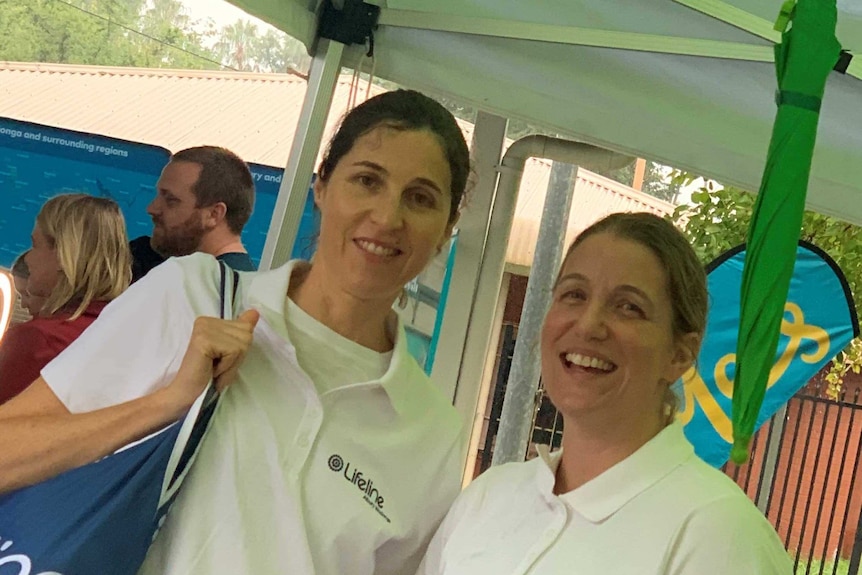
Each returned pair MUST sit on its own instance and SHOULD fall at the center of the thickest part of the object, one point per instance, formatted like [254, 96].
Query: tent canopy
[690, 83]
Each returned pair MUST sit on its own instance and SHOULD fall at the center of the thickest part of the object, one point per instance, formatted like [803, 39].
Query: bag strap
[227, 306]
[226, 311]
[227, 284]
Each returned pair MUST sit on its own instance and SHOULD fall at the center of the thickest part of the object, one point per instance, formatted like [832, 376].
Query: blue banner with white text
[38, 162]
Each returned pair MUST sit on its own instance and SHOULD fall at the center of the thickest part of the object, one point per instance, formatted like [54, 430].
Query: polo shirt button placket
[306, 433]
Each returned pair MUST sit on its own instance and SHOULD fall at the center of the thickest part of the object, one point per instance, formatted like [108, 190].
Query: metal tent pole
[519, 402]
[322, 77]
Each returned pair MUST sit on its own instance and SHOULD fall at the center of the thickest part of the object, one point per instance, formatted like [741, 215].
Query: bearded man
[204, 197]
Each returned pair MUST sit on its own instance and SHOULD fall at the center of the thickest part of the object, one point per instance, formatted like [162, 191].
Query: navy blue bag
[99, 519]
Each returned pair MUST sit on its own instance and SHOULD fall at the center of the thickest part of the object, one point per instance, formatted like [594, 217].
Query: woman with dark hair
[626, 494]
[330, 451]
[78, 263]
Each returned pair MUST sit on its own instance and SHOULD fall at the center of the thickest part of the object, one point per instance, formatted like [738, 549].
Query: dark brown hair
[224, 178]
[404, 110]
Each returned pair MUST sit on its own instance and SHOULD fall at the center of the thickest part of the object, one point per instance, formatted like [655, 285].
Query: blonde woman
[78, 263]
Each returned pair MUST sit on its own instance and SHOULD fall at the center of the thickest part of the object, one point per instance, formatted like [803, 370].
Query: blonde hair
[88, 235]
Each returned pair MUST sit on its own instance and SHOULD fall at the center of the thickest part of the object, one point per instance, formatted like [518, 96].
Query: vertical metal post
[799, 480]
[855, 567]
[489, 377]
[854, 467]
[839, 477]
[826, 482]
[519, 403]
[798, 414]
[466, 327]
[811, 496]
[770, 459]
[292, 194]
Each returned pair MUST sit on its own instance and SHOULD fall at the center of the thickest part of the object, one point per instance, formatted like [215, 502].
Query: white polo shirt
[287, 481]
[661, 511]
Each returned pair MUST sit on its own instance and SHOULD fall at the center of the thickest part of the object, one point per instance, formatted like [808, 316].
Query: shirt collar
[267, 293]
[396, 380]
[606, 494]
[93, 309]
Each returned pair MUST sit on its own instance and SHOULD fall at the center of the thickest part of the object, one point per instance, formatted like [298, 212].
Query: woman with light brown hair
[626, 494]
[78, 263]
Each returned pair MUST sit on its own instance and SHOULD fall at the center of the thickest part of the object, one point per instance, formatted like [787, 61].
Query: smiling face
[178, 224]
[608, 346]
[384, 212]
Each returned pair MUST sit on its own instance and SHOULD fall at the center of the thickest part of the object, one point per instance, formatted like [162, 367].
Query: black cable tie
[843, 62]
[370, 52]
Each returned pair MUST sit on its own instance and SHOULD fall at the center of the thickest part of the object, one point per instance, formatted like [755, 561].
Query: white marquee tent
[687, 82]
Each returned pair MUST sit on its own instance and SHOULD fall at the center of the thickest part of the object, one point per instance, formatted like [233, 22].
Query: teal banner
[819, 321]
[39, 161]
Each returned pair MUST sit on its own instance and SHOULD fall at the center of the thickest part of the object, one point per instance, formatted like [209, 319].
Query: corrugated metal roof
[594, 197]
[255, 115]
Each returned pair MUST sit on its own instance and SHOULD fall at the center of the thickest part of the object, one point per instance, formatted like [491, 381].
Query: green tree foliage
[139, 33]
[101, 32]
[277, 52]
[717, 219]
[168, 38]
[236, 43]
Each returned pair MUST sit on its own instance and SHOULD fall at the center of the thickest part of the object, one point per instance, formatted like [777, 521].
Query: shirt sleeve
[133, 348]
[729, 535]
[23, 353]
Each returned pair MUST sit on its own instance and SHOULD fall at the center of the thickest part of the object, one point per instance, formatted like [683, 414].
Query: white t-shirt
[661, 511]
[330, 359]
[286, 480]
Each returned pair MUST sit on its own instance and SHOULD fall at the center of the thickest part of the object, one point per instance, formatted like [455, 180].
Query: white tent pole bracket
[576, 36]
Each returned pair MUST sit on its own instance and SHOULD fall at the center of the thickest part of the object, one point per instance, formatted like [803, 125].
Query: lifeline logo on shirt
[370, 493]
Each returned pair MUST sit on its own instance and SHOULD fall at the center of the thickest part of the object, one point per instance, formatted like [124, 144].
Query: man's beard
[179, 241]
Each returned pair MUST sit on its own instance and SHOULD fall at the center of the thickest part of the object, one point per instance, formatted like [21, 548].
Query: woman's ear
[447, 233]
[687, 348]
[319, 190]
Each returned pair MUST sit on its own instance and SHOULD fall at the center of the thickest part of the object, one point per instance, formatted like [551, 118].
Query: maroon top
[28, 347]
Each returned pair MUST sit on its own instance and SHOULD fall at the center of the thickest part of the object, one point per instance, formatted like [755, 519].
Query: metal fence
[804, 473]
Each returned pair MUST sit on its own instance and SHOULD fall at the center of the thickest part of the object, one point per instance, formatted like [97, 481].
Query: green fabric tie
[798, 100]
